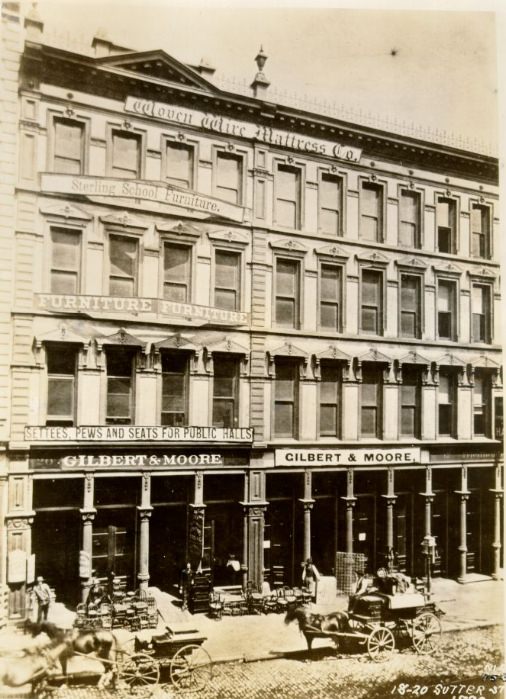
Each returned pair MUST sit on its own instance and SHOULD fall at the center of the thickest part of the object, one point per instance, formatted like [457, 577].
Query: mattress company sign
[140, 189]
[138, 433]
[346, 457]
[138, 306]
[138, 460]
[241, 129]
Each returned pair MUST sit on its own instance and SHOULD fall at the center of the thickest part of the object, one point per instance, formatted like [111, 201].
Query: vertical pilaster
[351, 501]
[88, 513]
[464, 497]
[144, 510]
[429, 499]
[390, 498]
[197, 520]
[307, 502]
[254, 507]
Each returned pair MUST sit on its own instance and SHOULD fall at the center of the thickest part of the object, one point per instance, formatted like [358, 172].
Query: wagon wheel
[426, 633]
[191, 668]
[380, 644]
[138, 671]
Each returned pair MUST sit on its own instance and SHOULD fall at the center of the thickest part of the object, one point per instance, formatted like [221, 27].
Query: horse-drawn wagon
[376, 621]
[175, 656]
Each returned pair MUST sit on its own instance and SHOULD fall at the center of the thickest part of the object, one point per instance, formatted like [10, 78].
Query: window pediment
[180, 228]
[120, 339]
[124, 220]
[333, 251]
[412, 262]
[373, 355]
[176, 342]
[447, 268]
[229, 237]
[62, 334]
[483, 273]
[288, 246]
[375, 258]
[333, 353]
[66, 212]
[449, 359]
[484, 362]
[414, 358]
[287, 351]
[227, 346]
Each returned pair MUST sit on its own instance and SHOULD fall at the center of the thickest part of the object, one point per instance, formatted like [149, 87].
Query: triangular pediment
[373, 355]
[124, 219]
[412, 261]
[375, 258]
[484, 362]
[62, 334]
[414, 357]
[483, 272]
[288, 246]
[228, 236]
[333, 352]
[332, 251]
[447, 267]
[65, 211]
[227, 346]
[450, 359]
[159, 65]
[121, 338]
[287, 350]
[182, 228]
[176, 342]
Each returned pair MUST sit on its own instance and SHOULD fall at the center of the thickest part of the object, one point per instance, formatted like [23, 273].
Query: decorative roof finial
[260, 83]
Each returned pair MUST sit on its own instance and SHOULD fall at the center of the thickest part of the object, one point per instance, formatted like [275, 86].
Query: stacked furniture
[126, 610]
[199, 594]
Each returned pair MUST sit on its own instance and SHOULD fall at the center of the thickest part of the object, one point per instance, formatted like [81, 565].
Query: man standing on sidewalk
[43, 595]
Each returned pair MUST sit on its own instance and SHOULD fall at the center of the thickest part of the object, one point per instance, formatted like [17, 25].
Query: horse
[103, 644]
[33, 666]
[322, 625]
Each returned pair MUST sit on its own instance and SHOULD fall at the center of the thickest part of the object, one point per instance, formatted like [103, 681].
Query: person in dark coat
[185, 583]
[43, 595]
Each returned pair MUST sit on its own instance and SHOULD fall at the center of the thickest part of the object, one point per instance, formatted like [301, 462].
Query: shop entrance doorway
[113, 545]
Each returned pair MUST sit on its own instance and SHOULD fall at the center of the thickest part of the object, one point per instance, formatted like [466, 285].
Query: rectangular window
[330, 198]
[287, 293]
[68, 146]
[176, 272]
[371, 403]
[482, 403]
[480, 231]
[446, 215]
[227, 280]
[65, 261]
[330, 297]
[371, 212]
[229, 177]
[123, 261]
[288, 196]
[446, 310]
[499, 420]
[286, 400]
[372, 302]
[411, 306]
[120, 393]
[480, 305]
[411, 402]
[225, 391]
[61, 384]
[447, 404]
[179, 164]
[409, 219]
[174, 388]
[330, 399]
[126, 155]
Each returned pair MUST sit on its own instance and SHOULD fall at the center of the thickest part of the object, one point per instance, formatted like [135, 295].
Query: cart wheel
[380, 644]
[426, 633]
[138, 671]
[191, 668]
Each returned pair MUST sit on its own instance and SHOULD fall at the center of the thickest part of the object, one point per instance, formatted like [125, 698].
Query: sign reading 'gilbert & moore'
[241, 129]
[347, 457]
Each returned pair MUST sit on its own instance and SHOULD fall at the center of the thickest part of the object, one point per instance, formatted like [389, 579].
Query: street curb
[274, 655]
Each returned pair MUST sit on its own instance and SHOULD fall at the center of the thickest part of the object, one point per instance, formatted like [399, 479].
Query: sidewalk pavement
[260, 637]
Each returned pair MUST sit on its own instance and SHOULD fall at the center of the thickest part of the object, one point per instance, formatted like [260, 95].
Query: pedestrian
[43, 595]
[233, 568]
[185, 583]
[310, 577]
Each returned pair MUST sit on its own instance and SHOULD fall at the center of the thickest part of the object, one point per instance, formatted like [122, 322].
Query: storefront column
[88, 513]
[496, 545]
[197, 519]
[350, 501]
[254, 513]
[390, 498]
[307, 502]
[145, 511]
[429, 496]
[464, 497]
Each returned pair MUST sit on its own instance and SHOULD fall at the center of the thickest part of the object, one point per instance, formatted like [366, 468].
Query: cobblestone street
[462, 658]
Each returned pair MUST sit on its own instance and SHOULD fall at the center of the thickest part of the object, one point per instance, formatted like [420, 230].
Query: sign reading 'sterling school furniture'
[347, 457]
[138, 306]
[137, 433]
[160, 192]
[241, 129]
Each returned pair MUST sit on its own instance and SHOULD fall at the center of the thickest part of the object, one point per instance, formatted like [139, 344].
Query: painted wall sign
[140, 189]
[137, 433]
[241, 129]
[103, 305]
[346, 457]
[136, 460]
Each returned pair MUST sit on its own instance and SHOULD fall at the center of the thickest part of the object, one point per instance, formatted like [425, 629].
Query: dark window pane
[328, 419]
[60, 396]
[125, 155]
[408, 421]
[223, 413]
[368, 421]
[228, 177]
[179, 162]
[227, 280]
[68, 147]
[283, 419]
[370, 320]
[329, 316]
[445, 420]
[61, 361]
